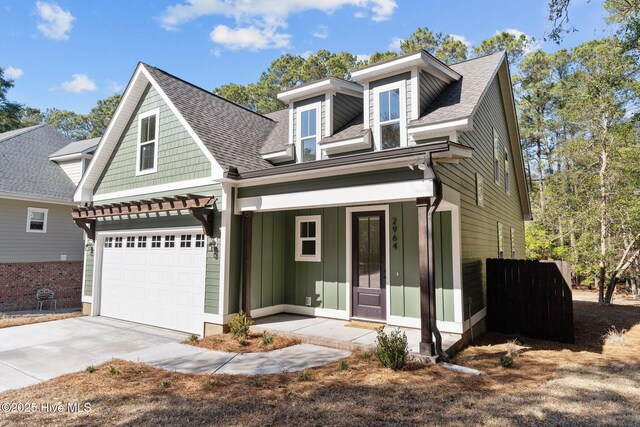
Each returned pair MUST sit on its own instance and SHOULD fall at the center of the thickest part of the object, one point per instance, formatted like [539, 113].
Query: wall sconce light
[88, 247]
[214, 246]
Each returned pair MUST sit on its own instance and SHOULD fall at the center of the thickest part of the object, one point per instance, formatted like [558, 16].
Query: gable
[180, 158]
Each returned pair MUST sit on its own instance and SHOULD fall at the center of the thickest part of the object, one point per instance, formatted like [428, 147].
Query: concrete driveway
[34, 353]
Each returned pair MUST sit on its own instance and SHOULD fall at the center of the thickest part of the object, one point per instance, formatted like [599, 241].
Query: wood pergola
[200, 207]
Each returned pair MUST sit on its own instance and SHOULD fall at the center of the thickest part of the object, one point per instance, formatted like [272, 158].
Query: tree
[30, 116]
[237, 93]
[452, 51]
[422, 38]
[9, 111]
[100, 115]
[72, 125]
[515, 46]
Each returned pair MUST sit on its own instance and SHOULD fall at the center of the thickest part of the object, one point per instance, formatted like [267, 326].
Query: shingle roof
[278, 139]
[459, 99]
[77, 147]
[233, 134]
[353, 129]
[25, 168]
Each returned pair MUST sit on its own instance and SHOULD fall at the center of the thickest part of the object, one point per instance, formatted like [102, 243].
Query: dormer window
[308, 130]
[389, 115]
[147, 155]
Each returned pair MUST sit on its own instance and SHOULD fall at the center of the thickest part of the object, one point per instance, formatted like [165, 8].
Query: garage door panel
[161, 286]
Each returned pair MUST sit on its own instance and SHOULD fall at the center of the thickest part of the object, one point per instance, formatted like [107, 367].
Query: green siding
[88, 276]
[479, 224]
[179, 157]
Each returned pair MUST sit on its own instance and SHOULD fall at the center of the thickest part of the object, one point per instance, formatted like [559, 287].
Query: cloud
[250, 38]
[394, 46]
[513, 31]
[13, 73]
[306, 54]
[363, 57]
[359, 14]
[79, 83]
[321, 32]
[461, 39]
[532, 44]
[256, 19]
[216, 52]
[54, 23]
[113, 87]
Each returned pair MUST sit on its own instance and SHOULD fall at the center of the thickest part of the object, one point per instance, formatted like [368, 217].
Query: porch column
[247, 222]
[425, 235]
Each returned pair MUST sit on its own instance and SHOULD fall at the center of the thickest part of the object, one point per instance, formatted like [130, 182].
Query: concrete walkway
[189, 359]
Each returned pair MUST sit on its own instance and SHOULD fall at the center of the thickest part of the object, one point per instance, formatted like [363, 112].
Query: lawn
[589, 383]
[27, 319]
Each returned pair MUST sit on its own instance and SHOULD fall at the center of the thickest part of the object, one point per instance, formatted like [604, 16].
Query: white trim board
[141, 116]
[145, 191]
[402, 95]
[319, 131]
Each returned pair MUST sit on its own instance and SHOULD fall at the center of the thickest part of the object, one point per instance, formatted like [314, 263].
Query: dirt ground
[591, 382]
[255, 343]
[19, 320]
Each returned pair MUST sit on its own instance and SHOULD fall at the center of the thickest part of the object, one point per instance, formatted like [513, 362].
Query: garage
[155, 278]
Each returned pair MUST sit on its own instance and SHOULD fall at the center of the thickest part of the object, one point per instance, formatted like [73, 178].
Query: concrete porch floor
[335, 333]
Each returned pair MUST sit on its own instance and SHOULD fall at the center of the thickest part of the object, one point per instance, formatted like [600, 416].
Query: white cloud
[257, 19]
[359, 14]
[79, 83]
[363, 57]
[250, 38]
[55, 23]
[13, 73]
[114, 87]
[462, 39]
[513, 31]
[321, 32]
[531, 45]
[216, 52]
[306, 54]
[394, 46]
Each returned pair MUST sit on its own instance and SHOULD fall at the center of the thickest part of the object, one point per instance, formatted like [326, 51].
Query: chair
[46, 295]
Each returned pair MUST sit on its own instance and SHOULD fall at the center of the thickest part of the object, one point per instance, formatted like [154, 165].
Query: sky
[68, 54]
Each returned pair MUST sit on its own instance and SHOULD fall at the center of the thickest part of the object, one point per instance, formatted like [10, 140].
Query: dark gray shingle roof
[459, 99]
[77, 147]
[353, 129]
[25, 168]
[233, 134]
[278, 139]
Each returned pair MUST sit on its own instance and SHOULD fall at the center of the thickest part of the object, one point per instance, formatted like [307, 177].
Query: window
[513, 243]
[147, 142]
[500, 242]
[131, 242]
[156, 241]
[308, 132]
[108, 242]
[199, 240]
[308, 238]
[479, 190]
[496, 158]
[169, 241]
[389, 115]
[118, 243]
[185, 241]
[37, 220]
[507, 175]
[142, 241]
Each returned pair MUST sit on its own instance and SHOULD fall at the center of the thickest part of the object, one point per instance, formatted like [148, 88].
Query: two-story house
[376, 199]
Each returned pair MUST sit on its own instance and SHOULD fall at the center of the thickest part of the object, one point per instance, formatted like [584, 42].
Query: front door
[368, 265]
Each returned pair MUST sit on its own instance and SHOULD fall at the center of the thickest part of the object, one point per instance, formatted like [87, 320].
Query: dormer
[316, 111]
[399, 91]
[75, 157]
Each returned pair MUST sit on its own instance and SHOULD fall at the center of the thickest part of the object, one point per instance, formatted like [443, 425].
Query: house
[40, 246]
[377, 199]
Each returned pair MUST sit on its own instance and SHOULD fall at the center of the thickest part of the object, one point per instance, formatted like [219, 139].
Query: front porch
[339, 334]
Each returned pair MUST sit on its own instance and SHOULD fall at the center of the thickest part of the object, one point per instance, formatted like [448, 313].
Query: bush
[193, 338]
[91, 369]
[505, 361]
[239, 326]
[366, 356]
[343, 366]
[258, 382]
[267, 338]
[303, 376]
[392, 349]
[165, 383]
[615, 337]
[113, 370]
[209, 383]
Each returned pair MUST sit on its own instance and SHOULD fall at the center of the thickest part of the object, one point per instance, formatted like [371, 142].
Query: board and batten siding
[430, 88]
[73, 169]
[345, 109]
[63, 237]
[479, 224]
[179, 157]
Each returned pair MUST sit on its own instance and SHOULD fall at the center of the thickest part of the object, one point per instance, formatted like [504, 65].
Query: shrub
[193, 338]
[113, 370]
[505, 361]
[303, 376]
[392, 349]
[209, 383]
[239, 326]
[366, 356]
[343, 366]
[514, 348]
[615, 337]
[267, 338]
[243, 341]
[258, 382]
[91, 369]
[165, 383]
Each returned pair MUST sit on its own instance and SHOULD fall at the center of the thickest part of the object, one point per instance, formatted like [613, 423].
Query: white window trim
[501, 241]
[44, 225]
[141, 116]
[401, 86]
[299, 111]
[507, 173]
[318, 239]
[496, 158]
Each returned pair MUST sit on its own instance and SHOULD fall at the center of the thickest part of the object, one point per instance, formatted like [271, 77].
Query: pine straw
[226, 342]
[364, 325]
[7, 322]
[587, 383]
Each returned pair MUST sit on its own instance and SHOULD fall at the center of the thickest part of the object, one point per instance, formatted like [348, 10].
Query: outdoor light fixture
[89, 247]
[422, 166]
[214, 244]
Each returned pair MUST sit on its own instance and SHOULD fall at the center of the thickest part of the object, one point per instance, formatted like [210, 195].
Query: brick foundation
[19, 283]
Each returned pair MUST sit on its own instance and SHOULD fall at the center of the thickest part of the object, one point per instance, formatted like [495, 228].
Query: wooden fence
[529, 298]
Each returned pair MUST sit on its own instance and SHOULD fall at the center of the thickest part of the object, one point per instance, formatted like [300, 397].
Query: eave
[421, 59]
[329, 85]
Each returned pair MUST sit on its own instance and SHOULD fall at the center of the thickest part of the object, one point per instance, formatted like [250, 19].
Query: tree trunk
[540, 176]
[603, 223]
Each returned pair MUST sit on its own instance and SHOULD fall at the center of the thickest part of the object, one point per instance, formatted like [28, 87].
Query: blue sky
[68, 54]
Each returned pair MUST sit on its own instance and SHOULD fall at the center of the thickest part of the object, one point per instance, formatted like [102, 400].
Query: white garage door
[156, 279]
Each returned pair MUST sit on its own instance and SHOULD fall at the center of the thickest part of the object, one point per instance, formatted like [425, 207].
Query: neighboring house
[200, 207]
[40, 246]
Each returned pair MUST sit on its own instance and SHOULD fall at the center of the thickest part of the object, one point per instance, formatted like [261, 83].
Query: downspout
[430, 173]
